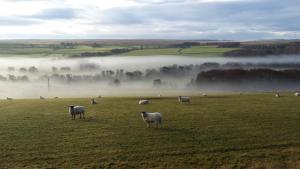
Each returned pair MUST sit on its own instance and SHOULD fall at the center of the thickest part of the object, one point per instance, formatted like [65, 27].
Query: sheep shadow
[89, 119]
[213, 97]
[173, 130]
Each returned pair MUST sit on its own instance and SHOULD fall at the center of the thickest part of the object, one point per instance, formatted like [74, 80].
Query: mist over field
[150, 84]
[27, 77]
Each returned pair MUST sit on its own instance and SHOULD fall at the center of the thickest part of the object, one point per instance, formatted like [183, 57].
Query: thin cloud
[17, 21]
[56, 13]
[183, 19]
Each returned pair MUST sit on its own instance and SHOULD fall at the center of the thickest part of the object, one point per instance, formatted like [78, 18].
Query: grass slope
[221, 131]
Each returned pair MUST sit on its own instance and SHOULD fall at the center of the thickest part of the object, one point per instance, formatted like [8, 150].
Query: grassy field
[62, 50]
[50, 51]
[206, 50]
[148, 52]
[218, 131]
[194, 51]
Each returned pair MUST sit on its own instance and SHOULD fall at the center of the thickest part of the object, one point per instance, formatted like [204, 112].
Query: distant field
[206, 50]
[218, 131]
[148, 52]
[82, 49]
[195, 51]
[49, 50]
[25, 51]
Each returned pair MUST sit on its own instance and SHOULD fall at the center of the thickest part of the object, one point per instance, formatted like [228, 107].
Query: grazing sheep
[277, 95]
[99, 97]
[7, 98]
[74, 110]
[93, 101]
[144, 101]
[204, 95]
[159, 95]
[42, 98]
[183, 99]
[297, 94]
[152, 118]
[56, 97]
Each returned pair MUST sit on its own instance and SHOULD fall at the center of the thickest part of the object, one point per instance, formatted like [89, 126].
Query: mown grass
[218, 131]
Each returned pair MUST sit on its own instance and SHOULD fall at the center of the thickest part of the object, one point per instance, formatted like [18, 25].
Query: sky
[150, 19]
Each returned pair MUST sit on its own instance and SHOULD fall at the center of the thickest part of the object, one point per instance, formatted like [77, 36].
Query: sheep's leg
[80, 115]
[160, 123]
[148, 125]
[83, 115]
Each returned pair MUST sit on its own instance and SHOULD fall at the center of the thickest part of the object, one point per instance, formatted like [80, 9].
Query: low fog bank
[25, 77]
[35, 90]
[131, 63]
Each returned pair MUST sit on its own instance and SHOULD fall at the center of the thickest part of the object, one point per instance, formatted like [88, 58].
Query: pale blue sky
[156, 19]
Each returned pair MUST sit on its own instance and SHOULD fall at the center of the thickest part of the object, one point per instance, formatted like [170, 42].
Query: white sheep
[152, 118]
[277, 95]
[144, 101]
[182, 99]
[93, 101]
[74, 110]
[297, 94]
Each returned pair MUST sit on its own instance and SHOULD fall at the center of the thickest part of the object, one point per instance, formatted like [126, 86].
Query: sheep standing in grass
[93, 101]
[144, 101]
[152, 118]
[74, 110]
[42, 98]
[297, 94]
[7, 98]
[277, 95]
[183, 99]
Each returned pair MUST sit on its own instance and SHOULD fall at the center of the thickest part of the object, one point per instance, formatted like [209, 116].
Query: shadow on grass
[214, 97]
[173, 130]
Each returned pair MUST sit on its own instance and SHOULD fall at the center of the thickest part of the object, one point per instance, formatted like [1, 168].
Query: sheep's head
[71, 109]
